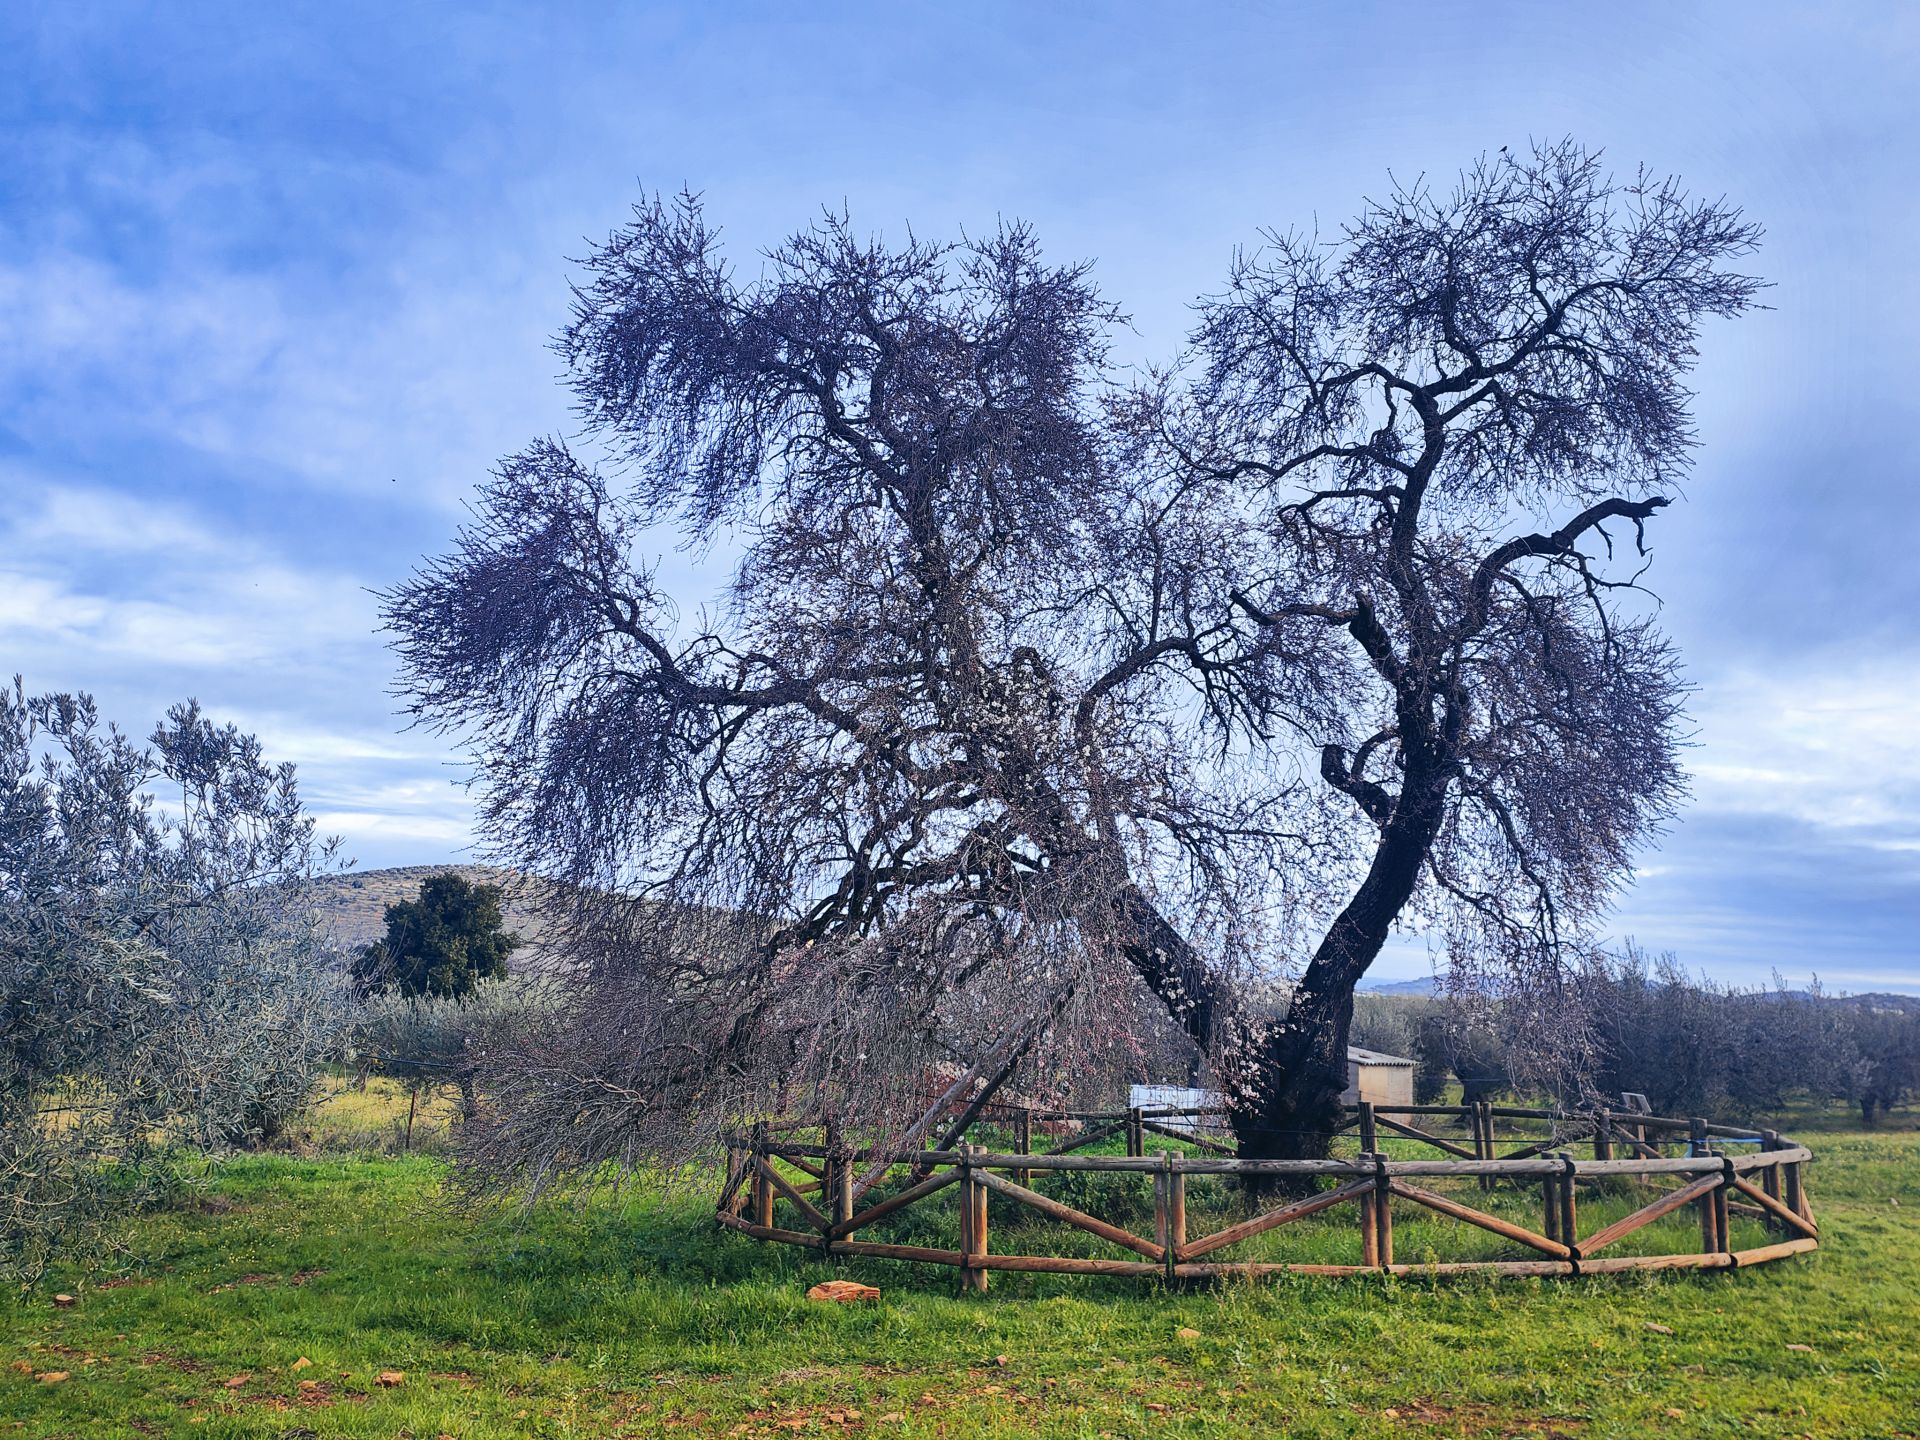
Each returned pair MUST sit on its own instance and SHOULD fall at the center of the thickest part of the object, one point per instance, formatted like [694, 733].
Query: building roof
[1357, 1056]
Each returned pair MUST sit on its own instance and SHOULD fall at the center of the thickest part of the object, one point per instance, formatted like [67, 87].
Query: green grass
[638, 1317]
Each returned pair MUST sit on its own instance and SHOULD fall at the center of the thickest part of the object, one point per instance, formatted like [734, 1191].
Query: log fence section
[1769, 1182]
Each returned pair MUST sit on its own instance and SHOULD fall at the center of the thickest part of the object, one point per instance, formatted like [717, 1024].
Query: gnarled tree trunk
[1289, 1107]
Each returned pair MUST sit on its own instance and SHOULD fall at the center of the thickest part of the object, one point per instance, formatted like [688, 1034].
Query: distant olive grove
[1691, 1047]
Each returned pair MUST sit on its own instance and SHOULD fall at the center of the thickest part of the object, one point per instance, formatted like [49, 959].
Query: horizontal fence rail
[1666, 1164]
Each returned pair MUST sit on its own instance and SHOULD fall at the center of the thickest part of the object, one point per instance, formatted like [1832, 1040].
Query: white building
[1372, 1075]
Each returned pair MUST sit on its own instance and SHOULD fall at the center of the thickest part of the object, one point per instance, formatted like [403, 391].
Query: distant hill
[1427, 985]
[1883, 1000]
[353, 905]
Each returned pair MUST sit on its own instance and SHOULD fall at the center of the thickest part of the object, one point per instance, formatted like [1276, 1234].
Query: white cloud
[347, 389]
[316, 746]
[450, 834]
[1829, 742]
[61, 519]
[223, 619]
[33, 606]
[145, 604]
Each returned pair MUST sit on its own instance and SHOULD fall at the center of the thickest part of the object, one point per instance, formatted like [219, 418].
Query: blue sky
[276, 285]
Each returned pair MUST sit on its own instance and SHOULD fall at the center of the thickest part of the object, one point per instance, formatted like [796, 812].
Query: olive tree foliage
[162, 985]
[1039, 698]
[918, 795]
[428, 1040]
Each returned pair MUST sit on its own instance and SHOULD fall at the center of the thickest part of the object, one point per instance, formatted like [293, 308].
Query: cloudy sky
[275, 293]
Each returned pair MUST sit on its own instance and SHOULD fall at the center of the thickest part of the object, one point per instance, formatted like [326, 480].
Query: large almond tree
[1031, 709]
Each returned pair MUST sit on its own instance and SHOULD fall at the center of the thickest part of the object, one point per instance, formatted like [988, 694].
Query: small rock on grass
[844, 1292]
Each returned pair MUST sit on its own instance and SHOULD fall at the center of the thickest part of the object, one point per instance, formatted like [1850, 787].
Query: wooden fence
[825, 1188]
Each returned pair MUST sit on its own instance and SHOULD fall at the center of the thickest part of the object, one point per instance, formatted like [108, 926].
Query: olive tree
[162, 982]
[1041, 703]
[1453, 426]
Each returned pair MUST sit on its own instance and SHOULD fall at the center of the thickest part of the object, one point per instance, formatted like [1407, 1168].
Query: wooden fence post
[1169, 1211]
[1369, 1134]
[1569, 1208]
[1136, 1134]
[1603, 1134]
[964, 1192]
[1163, 1211]
[837, 1184]
[1709, 1230]
[1550, 1205]
[973, 1222]
[1023, 1142]
[1382, 1213]
[1722, 1220]
[1483, 1137]
[762, 1187]
[1369, 1227]
[1770, 1177]
[731, 1189]
[980, 1225]
[1176, 1214]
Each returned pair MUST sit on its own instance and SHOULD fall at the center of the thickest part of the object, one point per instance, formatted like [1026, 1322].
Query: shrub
[162, 982]
[442, 943]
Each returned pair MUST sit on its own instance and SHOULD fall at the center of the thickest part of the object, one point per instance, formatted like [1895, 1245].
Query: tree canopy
[1046, 700]
[442, 943]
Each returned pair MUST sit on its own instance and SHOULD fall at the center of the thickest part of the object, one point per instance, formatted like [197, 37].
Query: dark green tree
[452, 935]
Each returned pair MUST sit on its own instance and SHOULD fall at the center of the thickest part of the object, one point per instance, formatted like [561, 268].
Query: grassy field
[336, 1295]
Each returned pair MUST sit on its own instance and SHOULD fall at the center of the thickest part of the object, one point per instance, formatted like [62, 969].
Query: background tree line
[1690, 1046]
